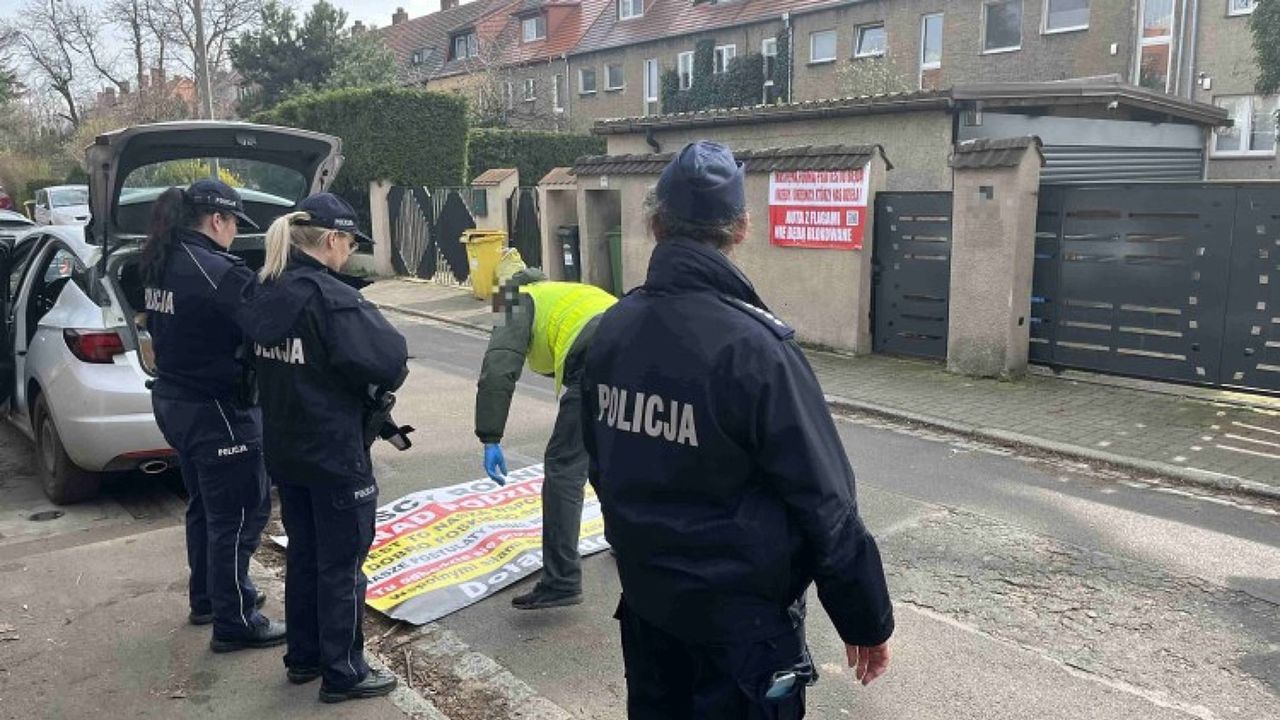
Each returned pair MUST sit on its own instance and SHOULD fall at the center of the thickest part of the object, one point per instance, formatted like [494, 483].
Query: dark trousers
[671, 679]
[228, 505]
[563, 489]
[330, 530]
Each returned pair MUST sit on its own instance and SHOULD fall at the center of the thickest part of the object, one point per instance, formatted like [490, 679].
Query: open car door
[7, 364]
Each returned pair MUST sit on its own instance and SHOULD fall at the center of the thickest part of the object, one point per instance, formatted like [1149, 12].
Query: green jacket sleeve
[503, 363]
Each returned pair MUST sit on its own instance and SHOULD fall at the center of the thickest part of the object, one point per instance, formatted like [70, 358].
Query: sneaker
[376, 684]
[196, 618]
[540, 598]
[303, 675]
[262, 636]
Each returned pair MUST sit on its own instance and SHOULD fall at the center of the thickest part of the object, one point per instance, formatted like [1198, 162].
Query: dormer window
[628, 9]
[418, 57]
[534, 28]
[465, 45]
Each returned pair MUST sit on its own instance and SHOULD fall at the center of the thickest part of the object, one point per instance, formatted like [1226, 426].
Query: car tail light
[94, 346]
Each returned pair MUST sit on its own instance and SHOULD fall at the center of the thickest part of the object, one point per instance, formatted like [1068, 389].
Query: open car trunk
[272, 168]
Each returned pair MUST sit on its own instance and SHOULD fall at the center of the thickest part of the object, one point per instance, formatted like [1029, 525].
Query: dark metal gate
[524, 225]
[1172, 281]
[911, 283]
[426, 233]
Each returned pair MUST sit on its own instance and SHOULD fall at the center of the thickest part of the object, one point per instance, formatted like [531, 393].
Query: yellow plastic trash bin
[484, 250]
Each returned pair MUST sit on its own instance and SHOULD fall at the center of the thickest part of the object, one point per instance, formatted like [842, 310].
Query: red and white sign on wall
[818, 208]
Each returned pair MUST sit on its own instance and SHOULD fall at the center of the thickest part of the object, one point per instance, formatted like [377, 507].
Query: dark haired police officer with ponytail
[204, 407]
[326, 360]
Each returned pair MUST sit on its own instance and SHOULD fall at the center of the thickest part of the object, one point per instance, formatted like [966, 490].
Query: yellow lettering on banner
[525, 513]
[470, 570]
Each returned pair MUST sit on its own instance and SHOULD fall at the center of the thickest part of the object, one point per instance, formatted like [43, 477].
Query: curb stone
[1203, 479]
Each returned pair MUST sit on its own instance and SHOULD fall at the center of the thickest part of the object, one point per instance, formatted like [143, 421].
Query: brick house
[1193, 49]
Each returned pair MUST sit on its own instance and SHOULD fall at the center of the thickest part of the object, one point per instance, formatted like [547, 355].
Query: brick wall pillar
[997, 185]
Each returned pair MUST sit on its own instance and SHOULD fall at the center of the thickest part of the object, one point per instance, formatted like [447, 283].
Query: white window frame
[857, 40]
[1044, 21]
[652, 81]
[471, 45]
[510, 95]
[1146, 42]
[608, 77]
[582, 86]
[539, 22]
[768, 49]
[627, 9]
[835, 53]
[924, 32]
[1233, 11]
[986, 7]
[723, 56]
[557, 93]
[1246, 129]
[530, 89]
[682, 60]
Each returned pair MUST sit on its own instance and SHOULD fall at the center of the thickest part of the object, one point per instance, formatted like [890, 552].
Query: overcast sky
[377, 12]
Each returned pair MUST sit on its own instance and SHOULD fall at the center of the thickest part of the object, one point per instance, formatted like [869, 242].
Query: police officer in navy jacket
[203, 405]
[725, 489]
[322, 353]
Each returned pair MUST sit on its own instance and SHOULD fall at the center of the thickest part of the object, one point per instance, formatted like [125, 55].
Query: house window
[1001, 26]
[1065, 15]
[614, 77]
[1253, 130]
[651, 82]
[465, 46]
[769, 53]
[725, 55]
[1241, 7]
[871, 41]
[417, 58]
[1155, 51]
[628, 9]
[822, 46]
[557, 89]
[587, 81]
[534, 28]
[931, 52]
[530, 90]
[509, 95]
[684, 65]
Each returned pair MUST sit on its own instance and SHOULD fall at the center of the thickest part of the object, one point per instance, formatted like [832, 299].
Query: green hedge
[534, 154]
[409, 137]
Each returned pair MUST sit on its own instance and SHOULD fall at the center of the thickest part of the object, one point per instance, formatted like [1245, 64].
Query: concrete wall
[600, 209]
[496, 201]
[1225, 56]
[1053, 56]
[917, 143]
[993, 226]
[824, 294]
[380, 230]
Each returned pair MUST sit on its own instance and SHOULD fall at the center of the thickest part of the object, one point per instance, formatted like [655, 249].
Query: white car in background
[74, 357]
[62, 205]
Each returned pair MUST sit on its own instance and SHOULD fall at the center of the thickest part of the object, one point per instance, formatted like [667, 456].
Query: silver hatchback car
[75, 356]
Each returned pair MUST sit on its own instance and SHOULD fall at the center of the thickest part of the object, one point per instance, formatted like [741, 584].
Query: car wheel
[64, 483]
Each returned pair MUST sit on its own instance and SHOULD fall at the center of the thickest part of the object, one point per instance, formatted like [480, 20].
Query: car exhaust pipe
[154, 467]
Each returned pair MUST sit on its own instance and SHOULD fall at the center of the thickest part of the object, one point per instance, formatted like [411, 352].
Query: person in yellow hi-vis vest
[548, 325]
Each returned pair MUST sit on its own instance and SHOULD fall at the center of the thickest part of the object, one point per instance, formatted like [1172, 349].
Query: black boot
[207, 618]
[540, 598]
[262, 636]
[303, 675]
[376, 684]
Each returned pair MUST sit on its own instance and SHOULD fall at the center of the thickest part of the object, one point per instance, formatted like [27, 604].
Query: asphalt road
[1024, 586]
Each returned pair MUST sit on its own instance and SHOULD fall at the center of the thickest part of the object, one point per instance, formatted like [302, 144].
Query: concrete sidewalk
[1222, 440]
[100, 631]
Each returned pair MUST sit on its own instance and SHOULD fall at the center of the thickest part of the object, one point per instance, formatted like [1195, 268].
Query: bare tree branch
[82, 26]
[46, 45]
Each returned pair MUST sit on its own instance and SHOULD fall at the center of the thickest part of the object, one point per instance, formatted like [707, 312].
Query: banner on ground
[438, 551]
[818, 208]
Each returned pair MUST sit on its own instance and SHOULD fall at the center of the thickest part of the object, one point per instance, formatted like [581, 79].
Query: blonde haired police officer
[549, 326]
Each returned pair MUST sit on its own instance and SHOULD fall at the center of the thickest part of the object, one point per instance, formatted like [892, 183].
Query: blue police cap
[704, 184]
[217, 195]
[332, 212]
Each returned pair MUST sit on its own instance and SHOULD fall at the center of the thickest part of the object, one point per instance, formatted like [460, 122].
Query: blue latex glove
[495, 463]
